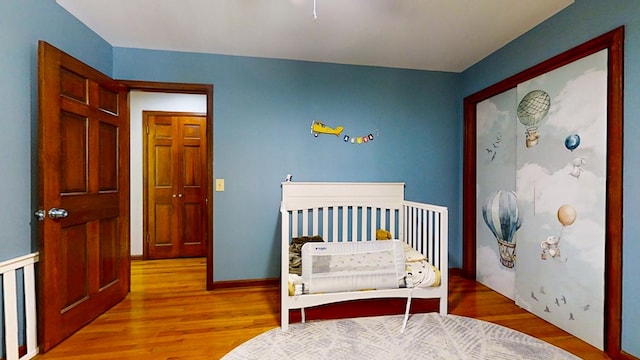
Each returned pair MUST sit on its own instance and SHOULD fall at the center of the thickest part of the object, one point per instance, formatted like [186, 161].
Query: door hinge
[147, 129]
[147, 238]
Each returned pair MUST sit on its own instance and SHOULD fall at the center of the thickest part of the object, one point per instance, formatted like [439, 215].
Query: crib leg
[443, 305]
[406, 312]
[302, 315]
[284, 317]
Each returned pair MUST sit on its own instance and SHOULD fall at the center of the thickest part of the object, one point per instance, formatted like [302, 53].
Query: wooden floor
[170, 315]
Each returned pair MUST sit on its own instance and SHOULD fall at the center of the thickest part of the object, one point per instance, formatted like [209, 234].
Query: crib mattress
[352, 266]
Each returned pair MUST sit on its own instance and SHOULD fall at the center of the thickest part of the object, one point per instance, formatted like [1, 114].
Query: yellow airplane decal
[318, 127]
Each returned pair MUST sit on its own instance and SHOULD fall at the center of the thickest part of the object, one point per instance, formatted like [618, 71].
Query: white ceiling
[442, 35]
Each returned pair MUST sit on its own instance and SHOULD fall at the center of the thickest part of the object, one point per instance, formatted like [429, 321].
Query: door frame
[198, 89]
[613, 41]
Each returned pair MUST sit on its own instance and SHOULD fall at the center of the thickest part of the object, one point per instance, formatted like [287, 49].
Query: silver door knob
[39, 214]
[55, 213]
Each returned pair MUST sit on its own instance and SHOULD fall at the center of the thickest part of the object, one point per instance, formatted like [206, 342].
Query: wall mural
[541, 190]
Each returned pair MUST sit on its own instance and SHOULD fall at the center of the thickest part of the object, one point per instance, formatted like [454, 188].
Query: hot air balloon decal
[500, 213]
[566, 216]
[531, 110]
[572, 141]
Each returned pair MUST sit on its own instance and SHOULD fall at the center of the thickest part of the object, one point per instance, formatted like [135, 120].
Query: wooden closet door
[176, 185]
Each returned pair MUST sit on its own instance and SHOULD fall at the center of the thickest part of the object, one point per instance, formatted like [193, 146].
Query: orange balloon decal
[566, 215]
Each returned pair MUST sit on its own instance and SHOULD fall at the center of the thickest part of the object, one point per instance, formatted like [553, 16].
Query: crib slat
[11, 314]
[427, 233]
[305, 222]
[409, 223]
[315, 218]
[420, 225]
[425, 247]
[366, 226]
[416, 227]
[354, 222]
[392, 219]
[345, 223]
[403, 224]
[294, 224]
[362, 224]
[436, 244]
[325, 223]
[335, 224]
[372, 224]
[30, 310]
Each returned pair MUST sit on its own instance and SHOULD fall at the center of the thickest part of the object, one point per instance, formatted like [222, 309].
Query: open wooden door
[83, 193]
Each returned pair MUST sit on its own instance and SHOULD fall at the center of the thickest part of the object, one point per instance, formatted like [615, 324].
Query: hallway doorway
[152, 96]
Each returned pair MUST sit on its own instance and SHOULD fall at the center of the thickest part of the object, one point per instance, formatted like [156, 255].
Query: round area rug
[427, 336]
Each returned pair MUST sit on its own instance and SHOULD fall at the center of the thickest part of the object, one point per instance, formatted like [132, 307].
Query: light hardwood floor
[170, 315]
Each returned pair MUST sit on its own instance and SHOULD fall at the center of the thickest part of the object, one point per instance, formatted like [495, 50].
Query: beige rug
[427, 336]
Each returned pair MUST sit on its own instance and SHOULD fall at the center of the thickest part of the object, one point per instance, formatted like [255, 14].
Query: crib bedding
[422, 274]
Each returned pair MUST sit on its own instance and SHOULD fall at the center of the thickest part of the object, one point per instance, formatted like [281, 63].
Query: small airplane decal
[318, 127]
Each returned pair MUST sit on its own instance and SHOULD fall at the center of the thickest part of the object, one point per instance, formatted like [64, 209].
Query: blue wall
[22, 24]
[580, 22]
[263, 110]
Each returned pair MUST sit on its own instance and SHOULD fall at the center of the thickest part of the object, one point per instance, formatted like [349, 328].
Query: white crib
[348, 212]
[18, 293]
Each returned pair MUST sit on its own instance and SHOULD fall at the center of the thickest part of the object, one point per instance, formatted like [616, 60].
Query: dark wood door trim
[202, 89]
[613, 41]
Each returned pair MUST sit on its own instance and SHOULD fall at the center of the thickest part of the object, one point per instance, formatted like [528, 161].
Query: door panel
[73, 143]
[74, 266]
[192, 215]
[163, 221]
[108, 152]
[109, 250]
[83, 169]
[176, 188]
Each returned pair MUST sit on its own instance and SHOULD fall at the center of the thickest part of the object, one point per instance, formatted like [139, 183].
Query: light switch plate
[219, 184]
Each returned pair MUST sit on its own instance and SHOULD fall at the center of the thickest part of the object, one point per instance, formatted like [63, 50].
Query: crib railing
[422, 226]
[343, 222]
[426, 229]
[19, 308]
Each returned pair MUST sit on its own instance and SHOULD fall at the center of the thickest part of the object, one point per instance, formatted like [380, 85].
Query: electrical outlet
[219, 184]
